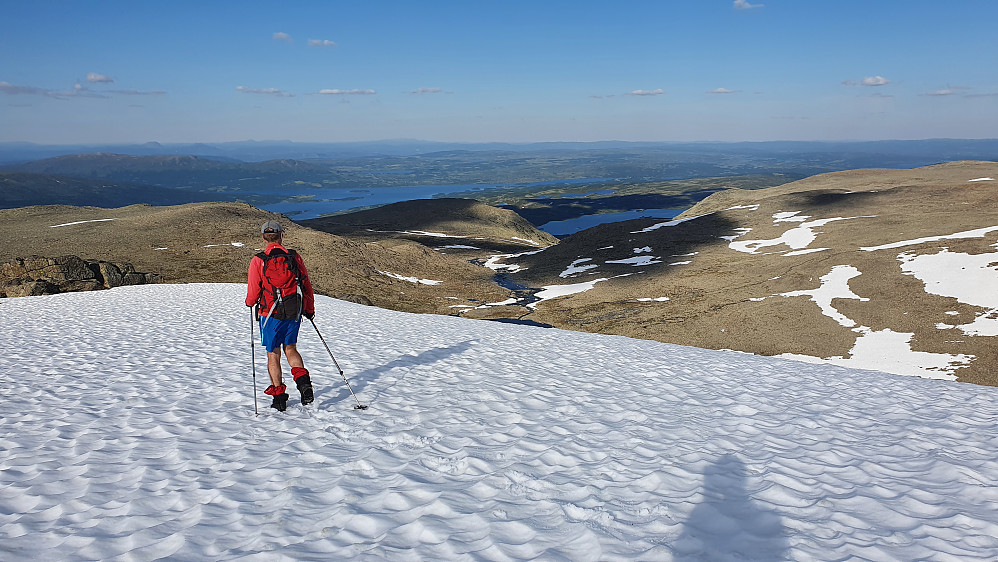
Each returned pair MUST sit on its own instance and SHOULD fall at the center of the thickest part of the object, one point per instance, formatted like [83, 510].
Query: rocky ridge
[37, 275]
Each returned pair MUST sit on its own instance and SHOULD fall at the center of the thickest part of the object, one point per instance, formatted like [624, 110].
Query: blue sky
[670, 70]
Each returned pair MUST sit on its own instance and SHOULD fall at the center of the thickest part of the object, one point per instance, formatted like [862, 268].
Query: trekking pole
[253, 354]
[358, 406]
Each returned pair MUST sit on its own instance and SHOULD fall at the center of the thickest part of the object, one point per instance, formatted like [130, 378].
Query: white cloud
[744, 5]
[868, 81]
[657, 92]
[321, 43]
[281, 36]
[419, 91]
[265, 91]
[13, 89]
[338, 92]
[722, 91]
[95, 78]
[875, 81]
[946, 92]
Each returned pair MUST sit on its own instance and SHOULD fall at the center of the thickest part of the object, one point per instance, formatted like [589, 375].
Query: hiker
[280, 289]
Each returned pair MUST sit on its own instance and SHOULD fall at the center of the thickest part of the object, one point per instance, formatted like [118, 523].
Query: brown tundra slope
[894, 270]
[213, 242]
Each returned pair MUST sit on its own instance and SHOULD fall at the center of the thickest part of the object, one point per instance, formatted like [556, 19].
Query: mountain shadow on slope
[540, 211]
[605, 244]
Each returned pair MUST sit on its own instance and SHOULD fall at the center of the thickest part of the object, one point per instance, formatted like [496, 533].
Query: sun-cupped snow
[128, 432]
[80, 222]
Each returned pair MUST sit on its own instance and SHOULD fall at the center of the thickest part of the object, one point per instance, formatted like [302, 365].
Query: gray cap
[272, 226]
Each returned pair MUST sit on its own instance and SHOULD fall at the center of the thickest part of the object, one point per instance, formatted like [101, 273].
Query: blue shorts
[274, 332]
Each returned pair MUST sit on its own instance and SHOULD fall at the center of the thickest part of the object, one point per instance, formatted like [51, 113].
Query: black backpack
[281, 274]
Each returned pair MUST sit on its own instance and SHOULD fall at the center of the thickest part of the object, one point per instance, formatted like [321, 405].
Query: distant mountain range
[913, 152]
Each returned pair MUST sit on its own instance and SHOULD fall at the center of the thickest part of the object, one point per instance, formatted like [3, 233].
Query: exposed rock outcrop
[37, 275]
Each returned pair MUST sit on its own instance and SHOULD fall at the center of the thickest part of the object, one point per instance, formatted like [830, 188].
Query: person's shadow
[729, 525]
[361, 380]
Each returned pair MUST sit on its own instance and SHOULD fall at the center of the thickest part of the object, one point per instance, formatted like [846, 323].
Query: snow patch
[969, 278]
[890, 352]
[414, 280]
[80, 222]
[574, 267]
[804, 252]
[549, 292]
[637, 261]
[796, 238]
[982, 179]
[673, 222]
[834, 285]
[977, 233]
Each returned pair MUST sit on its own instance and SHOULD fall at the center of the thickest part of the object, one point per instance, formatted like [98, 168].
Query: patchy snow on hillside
[128, 432]
[410, 279]
[80, 222]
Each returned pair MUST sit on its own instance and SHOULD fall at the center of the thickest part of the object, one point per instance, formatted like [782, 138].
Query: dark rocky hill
[460, 226]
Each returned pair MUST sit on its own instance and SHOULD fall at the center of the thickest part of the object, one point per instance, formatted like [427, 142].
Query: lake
[571, 226]
[331, 200]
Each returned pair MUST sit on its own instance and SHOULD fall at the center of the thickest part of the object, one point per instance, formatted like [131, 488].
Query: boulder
[37, 275]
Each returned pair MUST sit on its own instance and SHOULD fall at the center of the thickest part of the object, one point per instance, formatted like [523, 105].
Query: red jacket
[254, 287]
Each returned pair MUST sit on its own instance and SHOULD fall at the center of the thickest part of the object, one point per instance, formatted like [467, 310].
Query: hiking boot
[304, 382]
[280, 397]
[305, 388]
[280, 402]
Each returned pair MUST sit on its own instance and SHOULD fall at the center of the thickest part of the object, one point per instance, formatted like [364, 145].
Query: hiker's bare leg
[294, 358]
[274, 366]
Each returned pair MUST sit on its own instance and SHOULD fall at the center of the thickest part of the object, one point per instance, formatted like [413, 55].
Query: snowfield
[128, 432]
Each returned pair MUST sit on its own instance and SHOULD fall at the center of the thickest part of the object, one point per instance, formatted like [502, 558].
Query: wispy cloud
[338, 92]
[868, 81]
[137, 92]
[265, 91]
[281, 36]
[321, 43]
[421, 91]
[744, 5]
[95, 78]
[13, 89]
[946, 92]
[78, 91]
[658, 92]
[722, 91]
